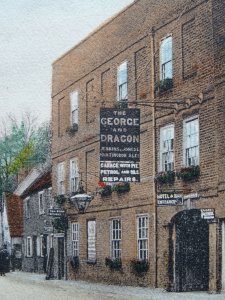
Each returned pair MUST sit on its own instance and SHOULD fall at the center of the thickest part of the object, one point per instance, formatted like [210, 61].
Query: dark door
[191, 252]
[35, 253]
[60, 258]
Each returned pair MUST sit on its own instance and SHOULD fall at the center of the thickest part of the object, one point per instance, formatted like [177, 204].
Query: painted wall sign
[208, 213]
[91, 240]
[169, 198]
[56, 212]
[119, 145]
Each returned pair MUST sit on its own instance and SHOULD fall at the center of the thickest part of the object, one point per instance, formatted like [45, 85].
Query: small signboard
[48, 229]
[59, 235]
[169, 198]
[56, 212]
[208, 213]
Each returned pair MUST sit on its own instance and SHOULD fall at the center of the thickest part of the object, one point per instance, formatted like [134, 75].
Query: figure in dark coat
[4, 261]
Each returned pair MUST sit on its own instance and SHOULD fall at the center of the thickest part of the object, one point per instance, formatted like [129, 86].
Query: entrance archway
[191, 251]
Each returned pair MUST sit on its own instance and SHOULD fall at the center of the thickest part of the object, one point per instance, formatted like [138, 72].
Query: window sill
[91, 262]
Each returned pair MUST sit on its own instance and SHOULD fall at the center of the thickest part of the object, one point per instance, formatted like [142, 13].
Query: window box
[60, 224]
[105, 191]
[75, 262]
[163, 85]
[113, 264]
[122, 104]
[121, 187]
[139, 267]
[72, 129]
[60, 199]
[165, 177]
[189, 173]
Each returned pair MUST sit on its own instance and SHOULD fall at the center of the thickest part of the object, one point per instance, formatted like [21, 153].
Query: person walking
[4, 260]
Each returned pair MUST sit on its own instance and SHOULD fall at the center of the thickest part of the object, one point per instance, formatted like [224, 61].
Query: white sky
[32, 35]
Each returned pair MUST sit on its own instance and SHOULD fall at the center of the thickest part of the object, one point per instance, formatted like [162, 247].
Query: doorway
[191, 251]
[60, 258]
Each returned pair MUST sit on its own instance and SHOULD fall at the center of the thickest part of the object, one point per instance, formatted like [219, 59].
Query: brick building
[166, 58]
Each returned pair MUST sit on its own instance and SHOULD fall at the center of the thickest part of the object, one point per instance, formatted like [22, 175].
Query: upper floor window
[60, 181]
[41, 203]
[74, 107]
[166, 58]
[75, 239]
[74, 175]
[142, 237]
[27, 207]
[191, 141]
[116, 238]
[167, 148]
[122, 82]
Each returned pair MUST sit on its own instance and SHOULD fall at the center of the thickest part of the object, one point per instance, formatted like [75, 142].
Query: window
[74, 177]
[122, 82]
[191, 141]
[27, 207]
[167, 148]
[43, 245]
[166, 58]
[41, 203]
[29, 246]
[61, 188]
[74, 107]
[116, 238]
[91, 241]
[75, 239]
[142, 237]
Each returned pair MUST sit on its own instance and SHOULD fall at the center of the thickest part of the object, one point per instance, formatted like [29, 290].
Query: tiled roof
[41, 183]
[14, 206]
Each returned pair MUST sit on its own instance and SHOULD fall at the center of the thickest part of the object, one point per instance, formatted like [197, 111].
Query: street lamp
[81, 200]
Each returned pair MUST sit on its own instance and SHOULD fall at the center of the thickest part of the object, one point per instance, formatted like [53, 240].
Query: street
[19, 285]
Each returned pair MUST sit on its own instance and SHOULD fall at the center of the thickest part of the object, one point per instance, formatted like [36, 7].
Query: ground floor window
[75, 239]
[142, 236]
[115, 238]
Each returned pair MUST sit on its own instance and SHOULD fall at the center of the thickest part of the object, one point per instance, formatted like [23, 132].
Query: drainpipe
[154, 157]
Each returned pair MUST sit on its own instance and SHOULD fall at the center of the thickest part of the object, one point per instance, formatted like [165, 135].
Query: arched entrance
[191, 251]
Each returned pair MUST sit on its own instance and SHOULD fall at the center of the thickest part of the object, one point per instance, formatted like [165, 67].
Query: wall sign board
[119, 145]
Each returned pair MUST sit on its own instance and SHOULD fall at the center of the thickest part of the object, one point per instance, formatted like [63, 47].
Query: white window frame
[143, 237]
[116, 238]
[167, 148]
[74, 175]
[29, 246]
[121, 82]
[75, 238]
[27, 207]
[41, 198]
[60, 178]
[190, 161]
[74, 98]
[164, 63]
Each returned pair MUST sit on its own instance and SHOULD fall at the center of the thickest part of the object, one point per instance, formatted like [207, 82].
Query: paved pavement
[29, 286]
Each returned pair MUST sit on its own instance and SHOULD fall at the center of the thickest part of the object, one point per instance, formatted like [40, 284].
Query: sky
[32, 35]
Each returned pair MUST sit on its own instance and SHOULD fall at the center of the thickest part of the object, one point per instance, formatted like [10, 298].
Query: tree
[22, 145]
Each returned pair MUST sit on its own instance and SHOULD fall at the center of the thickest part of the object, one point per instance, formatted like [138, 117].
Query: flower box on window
[60, 199]
[72, 129]
[189, 173]
[105, 191]
[165, 177]
[139, 267]
[121, 187]
[163, 85]
[113, 264]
